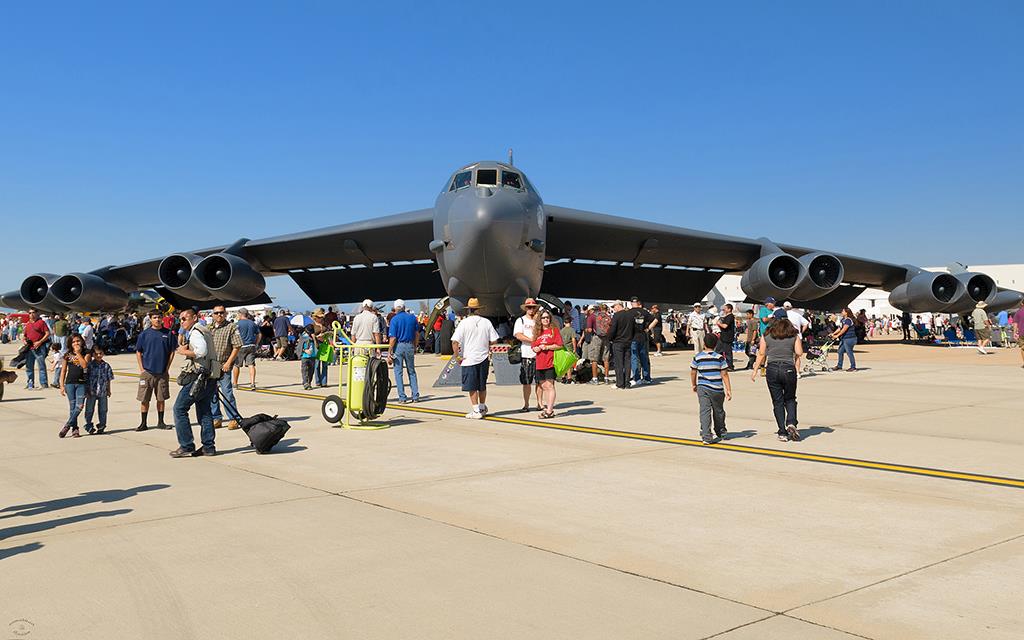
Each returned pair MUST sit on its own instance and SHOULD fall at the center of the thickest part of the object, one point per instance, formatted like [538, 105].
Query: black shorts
[528, 371]
[474, 376]
[545, 374]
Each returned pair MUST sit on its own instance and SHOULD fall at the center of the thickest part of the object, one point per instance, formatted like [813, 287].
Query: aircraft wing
[348, 261]
[588, 251]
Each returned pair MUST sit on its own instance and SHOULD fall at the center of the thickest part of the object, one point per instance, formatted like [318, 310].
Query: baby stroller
[816, 356]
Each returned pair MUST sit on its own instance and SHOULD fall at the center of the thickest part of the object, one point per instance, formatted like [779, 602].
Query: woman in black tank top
[781, 347]
[73, 383]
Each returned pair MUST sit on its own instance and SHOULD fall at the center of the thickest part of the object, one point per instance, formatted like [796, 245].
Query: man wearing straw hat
[523, 331]
[471, 343]
[982, 327]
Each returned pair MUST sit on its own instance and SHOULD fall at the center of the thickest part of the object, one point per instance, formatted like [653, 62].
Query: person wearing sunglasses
[546, 340]
[226, 344]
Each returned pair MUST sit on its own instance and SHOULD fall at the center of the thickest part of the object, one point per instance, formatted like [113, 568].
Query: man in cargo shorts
[154, 351]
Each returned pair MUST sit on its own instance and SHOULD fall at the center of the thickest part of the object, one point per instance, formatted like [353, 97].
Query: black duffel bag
[264, 431]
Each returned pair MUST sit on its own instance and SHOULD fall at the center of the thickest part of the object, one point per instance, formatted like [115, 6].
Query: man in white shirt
[796, 318]
[471, 343]
[366, 325]
[523, 331]
[196, 347]
[696, 327]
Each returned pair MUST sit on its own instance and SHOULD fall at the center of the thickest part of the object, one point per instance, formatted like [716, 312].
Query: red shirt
[546, 359]
[35, 330]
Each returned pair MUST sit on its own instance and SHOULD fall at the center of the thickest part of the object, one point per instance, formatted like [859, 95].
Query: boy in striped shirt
[709, 375]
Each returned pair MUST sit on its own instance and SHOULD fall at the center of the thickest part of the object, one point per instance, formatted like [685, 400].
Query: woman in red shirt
[546, 340]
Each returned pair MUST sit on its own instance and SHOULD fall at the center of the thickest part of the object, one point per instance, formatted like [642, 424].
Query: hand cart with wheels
[363, 386]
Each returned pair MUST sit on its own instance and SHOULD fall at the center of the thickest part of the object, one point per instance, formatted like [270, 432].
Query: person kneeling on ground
[709, 376]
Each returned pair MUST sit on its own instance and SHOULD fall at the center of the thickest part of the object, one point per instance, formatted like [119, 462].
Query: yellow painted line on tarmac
[945, 474]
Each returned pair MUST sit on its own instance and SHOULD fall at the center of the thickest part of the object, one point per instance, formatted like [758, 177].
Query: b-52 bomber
[490, 236]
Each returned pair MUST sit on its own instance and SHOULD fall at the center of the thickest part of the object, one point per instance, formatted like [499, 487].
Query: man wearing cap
[982, 327]
[365, 326]
[764, 315]
[282, 327]
[797, 318]
[471, 347]
[403, 335]
[523, 331]
[696, 326]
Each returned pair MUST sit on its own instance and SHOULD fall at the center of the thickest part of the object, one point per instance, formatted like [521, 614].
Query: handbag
[325, 353]
[515, 352]
[564, 361]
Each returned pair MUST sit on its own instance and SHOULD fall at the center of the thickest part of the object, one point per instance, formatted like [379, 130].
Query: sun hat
[530, 302]
[474, 303]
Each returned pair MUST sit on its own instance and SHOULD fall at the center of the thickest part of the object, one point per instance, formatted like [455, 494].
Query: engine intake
[36, 292]
[229, 277]
[824, 272]
[928, 292]
[776, 275]
[177, 273]
[88, 292]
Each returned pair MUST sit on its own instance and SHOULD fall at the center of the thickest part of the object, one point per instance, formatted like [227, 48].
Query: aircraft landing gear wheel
[333, 409]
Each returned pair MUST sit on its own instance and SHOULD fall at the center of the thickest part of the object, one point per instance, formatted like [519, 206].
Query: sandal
[525, 409]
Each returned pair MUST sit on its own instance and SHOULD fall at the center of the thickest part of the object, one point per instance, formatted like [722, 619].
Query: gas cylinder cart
[363, 387]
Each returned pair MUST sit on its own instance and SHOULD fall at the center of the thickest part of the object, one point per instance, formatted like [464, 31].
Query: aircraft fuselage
[489, 237]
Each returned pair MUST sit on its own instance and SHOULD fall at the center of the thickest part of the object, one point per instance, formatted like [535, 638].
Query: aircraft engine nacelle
[776, 275]
[12, 300]
[928, 292]
[177, 272]
[36, 291]
[229, 277]
[978, 287]
[88, 292]
[824, 272]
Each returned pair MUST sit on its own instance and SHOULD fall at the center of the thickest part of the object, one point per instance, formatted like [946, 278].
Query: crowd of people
[613, 343]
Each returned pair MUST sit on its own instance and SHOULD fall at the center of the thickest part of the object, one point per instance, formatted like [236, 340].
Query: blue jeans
[846, 346]
[182, 427]
[76, 402]
[229, 393]
[404, 354]
[34, 356]
[321, 373]
[640, 360]
[90, 405]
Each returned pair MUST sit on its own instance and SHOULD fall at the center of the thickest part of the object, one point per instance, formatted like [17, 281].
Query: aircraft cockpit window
[487, 177]
[511, 179]
[463, 179]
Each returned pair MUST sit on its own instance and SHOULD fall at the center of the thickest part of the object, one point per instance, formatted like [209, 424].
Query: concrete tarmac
[443, 527]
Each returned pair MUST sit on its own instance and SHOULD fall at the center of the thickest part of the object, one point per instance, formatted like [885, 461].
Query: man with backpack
[595, 340]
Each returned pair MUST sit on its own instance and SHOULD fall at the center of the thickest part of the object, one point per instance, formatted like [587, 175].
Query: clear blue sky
[889, 130]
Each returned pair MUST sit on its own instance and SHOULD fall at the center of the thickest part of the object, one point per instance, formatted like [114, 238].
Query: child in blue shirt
[709, 375]
[307, 356]
[97, 390]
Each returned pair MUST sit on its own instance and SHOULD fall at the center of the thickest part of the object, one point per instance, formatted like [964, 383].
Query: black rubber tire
[333, 409]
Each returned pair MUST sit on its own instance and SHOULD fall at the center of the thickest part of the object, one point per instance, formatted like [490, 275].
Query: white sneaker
[474, 415]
